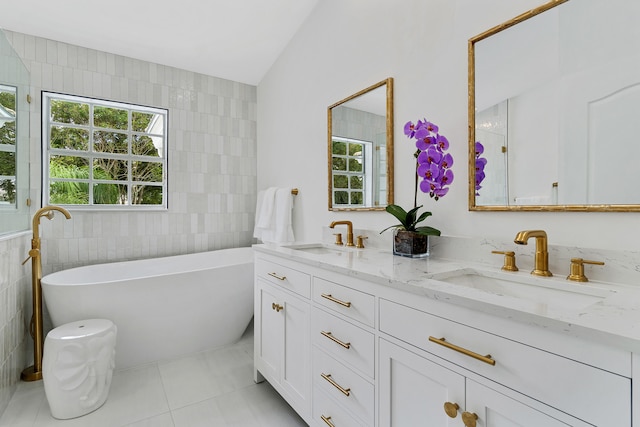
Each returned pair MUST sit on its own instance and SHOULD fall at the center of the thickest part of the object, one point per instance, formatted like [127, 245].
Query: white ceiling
[232, 39]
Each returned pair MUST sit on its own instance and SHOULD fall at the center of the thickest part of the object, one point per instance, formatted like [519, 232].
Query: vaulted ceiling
[232, 39]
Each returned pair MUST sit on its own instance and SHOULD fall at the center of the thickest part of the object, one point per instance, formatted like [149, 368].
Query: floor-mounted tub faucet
[34, 373]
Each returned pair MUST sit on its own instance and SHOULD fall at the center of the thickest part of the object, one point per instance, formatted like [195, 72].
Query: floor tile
[202, 414]
[135, 394]
[205, 375]
[24, 405]
[163, 420]
[211, 388]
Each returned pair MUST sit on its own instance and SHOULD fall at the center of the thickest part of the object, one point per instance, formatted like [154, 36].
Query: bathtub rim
[54, 278]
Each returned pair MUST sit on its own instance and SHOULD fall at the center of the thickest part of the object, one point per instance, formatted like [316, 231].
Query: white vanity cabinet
[506, 383]
[282, 349]
[414, 389]
[348, 352]
[548, 381]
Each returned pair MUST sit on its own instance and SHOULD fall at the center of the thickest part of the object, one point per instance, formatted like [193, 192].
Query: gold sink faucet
[541, 264]
[349, 230]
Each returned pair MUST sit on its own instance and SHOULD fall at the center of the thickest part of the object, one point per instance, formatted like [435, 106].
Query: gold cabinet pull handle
[486, 359]
[346, 345]
[276, 307]
[469, 419]
[277, 277]
[337, 301]
[451, 409]
[345, 391]
[327, 420]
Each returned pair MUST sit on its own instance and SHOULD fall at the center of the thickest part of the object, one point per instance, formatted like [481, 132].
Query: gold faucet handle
[338, 239]
[576, 273]
[32, 253]
[509, 260]
[360, 241]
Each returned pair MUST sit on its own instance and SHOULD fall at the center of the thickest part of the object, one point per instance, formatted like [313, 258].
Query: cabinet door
[296, 368]
[268, 338]
[414, 390]
[497, 410]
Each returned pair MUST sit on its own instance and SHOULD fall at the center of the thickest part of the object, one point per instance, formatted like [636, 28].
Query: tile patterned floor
[212, 388]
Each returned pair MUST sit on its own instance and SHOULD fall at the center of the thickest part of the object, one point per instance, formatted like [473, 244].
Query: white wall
[345, 46]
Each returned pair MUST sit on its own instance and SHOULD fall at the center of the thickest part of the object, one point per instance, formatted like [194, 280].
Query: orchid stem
[415, 188]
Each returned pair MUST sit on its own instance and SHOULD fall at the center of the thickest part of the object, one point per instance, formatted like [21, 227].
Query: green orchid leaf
[428, 231]
[409, 220]
[392, 226]
[399, 213]
[424, 216]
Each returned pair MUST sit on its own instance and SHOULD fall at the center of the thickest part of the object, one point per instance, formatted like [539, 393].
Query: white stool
[77, 366]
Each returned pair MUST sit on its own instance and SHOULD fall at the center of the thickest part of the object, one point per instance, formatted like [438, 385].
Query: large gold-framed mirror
[360, 149]
[553, 96]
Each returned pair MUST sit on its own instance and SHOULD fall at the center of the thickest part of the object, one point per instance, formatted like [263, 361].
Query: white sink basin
[315, 248]
[538, 292]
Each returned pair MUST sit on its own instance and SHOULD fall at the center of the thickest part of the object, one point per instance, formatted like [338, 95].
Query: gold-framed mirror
[360, 149]
[552, 98]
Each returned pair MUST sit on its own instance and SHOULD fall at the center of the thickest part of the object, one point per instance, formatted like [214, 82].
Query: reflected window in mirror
[552, 98]
[352, 161]
[360, 147]
[7, 146]
[14, 140]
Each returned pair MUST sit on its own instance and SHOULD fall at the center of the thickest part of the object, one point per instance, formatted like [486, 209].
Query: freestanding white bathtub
[162, 307]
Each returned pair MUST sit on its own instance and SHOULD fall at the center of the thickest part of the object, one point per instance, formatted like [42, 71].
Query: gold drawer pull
[276, 307]
[337, 301]
[345, 391]
[277, 277]
[442, 342]
[327, 420]
[469, 419]
[346, 345]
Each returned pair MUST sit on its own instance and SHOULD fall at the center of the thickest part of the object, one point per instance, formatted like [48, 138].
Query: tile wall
[15, 294]
[211, 163]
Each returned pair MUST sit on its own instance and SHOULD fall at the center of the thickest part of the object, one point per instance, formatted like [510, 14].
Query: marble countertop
[606, 312]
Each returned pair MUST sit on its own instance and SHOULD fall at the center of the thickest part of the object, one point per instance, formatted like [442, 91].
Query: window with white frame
[102, 154]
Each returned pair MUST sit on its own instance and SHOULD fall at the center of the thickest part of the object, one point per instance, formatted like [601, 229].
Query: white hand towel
[273, 216]
[265, 219]
[283, 207]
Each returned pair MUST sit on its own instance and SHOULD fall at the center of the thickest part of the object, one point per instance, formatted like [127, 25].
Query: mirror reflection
[553, 95]
[14, 140]
[360, 147]
[7, 145]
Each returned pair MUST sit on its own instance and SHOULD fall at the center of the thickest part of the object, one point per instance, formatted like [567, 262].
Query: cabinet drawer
[287, 277]
[333, 413]
[344, 341]
[346, 387]
[354, 304]
[573, 387]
